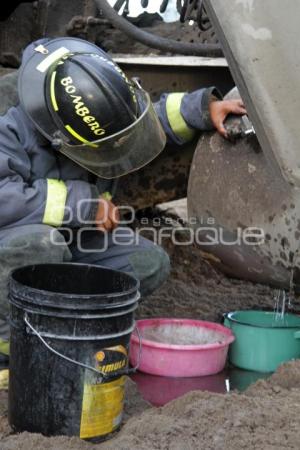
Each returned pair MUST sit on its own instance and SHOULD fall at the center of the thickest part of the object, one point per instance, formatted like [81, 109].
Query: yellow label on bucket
[102, 408]
[103, 403]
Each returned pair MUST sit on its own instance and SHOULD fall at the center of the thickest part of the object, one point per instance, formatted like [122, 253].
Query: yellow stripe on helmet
[78, 137]
[52, 92]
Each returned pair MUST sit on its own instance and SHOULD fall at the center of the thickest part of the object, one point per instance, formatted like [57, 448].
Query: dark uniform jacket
[38, 185]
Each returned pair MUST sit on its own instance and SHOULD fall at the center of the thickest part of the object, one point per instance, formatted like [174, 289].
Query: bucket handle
[103, 375]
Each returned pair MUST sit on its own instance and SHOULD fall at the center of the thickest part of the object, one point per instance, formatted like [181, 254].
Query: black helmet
[83, 103]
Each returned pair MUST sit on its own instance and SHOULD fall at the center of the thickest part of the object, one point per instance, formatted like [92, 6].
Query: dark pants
[37, 244]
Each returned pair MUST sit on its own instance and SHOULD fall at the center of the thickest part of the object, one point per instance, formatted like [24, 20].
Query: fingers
[114, 216]
[236, 107]
[219, 110]
[109, 225]
[239, 102]
[240, 110]
[108, 216]
[221, 128]
[106, 226]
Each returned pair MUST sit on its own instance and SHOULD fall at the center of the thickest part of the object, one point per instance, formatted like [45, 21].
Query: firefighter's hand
[219, 110]
[107, 216]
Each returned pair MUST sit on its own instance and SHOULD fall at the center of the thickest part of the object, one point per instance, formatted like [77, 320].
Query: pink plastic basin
[171, 360]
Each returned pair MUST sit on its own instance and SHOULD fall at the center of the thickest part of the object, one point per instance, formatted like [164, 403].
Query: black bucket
[70, 331]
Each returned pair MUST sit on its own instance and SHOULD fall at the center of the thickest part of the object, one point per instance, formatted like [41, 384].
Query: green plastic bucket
[262, 342]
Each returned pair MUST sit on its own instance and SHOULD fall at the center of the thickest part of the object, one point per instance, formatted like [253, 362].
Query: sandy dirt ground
[266, 416]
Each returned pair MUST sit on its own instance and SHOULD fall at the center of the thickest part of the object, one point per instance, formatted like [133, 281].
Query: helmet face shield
[83, 103]
[125, 151]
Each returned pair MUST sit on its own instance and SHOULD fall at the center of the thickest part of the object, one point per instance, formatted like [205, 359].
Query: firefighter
[78, 124]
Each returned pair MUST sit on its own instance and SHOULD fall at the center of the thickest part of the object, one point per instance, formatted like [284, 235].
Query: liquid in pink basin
[162, 356]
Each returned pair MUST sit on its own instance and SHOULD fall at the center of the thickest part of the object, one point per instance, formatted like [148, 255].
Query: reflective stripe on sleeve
[177, 123]
[55, 203]
[4, 347]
